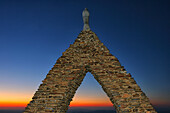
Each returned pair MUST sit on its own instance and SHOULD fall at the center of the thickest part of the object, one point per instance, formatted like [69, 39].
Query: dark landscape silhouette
[162, 109]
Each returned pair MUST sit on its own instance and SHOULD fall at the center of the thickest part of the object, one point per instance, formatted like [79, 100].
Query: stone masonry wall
[88, 54]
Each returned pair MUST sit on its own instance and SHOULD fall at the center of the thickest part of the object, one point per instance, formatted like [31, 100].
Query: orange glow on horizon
[14, 100]
[90, 105]
[22, 105]
[81, 100]
[13, 104]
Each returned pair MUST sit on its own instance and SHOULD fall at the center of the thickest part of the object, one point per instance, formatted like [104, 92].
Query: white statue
[85, 15]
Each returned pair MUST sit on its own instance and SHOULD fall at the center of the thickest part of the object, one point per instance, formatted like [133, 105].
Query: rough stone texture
[88, 54]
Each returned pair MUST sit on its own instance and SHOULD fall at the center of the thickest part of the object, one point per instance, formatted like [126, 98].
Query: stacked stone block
[88, 54]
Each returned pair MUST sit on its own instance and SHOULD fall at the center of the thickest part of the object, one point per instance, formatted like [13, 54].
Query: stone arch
[88, 54]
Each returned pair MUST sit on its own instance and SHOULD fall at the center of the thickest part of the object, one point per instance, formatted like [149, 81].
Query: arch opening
[90, 97]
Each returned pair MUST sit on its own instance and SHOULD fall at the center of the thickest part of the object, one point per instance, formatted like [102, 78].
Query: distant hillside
[163, 109]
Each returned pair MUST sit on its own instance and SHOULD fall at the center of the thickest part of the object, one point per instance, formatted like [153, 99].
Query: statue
[85, 15]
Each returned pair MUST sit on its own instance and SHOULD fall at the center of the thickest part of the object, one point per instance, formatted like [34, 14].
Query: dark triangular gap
[89, 98]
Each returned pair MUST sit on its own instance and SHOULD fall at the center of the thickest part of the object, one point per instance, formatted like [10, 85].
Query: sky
[34, 33]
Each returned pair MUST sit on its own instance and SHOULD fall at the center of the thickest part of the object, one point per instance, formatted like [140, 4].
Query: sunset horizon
[35, 33]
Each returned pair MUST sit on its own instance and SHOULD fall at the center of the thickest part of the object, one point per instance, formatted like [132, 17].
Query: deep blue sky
[34, 33]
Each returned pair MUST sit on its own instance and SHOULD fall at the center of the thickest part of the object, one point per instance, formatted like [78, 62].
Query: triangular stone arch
[88, 54]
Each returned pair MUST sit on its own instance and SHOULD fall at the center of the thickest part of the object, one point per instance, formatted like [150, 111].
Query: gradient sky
[34, 33]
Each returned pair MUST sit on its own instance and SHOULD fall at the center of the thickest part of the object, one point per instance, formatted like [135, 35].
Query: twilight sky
[34, 33]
